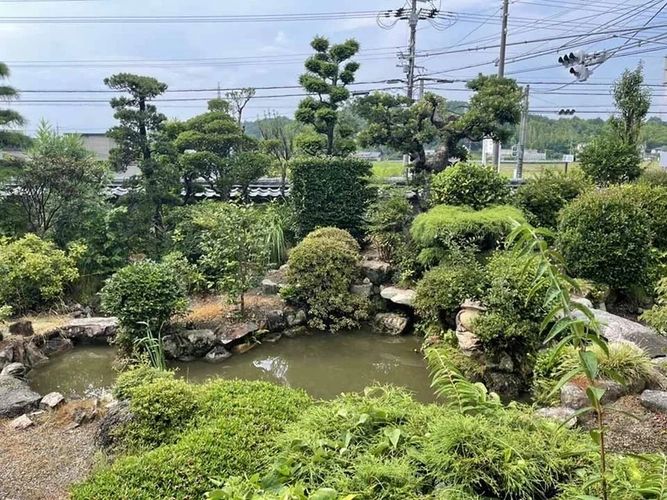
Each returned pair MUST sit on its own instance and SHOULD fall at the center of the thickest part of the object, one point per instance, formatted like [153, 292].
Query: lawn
[391, 168]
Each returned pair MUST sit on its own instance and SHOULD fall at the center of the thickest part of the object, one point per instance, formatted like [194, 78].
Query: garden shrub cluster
[322, 269]
[34, 273]
[469, 184]
[605, 236]
[542, 197]
[388, 224]
[330, 192]
[653, 200]
[609, 160]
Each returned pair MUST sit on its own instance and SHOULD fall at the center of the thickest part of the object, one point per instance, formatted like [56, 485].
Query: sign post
[567, 159]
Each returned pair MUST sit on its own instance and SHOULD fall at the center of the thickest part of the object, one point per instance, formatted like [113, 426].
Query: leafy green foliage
[327, 78]
[443, 289]
[136, 376]
[605, 237]
[330, 192]
[388, 224]
[632, 100]
[445, 226]
[469, 184]
[542, 197]
[34, 273]
[10, 119]
[321, 271]
[654, 177]
[141, 295]
[653, 199]
[608, 160]
[230, 433]
[334, 233]
[657, 315]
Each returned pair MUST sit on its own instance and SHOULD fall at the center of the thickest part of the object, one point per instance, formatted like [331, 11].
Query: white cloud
[281, 38]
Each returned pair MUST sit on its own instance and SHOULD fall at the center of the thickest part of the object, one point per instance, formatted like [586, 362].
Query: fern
[449, 384]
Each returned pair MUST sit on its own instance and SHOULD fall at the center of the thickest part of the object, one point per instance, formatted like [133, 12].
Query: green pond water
[324, 365]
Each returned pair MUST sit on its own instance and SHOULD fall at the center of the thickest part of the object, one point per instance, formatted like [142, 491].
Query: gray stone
[399, 296]
[200, 341]
[367, 281]
[237, 332]
[243, 348]
[390, 324]
[52, 401]
[505, 384]
[469, 343]
[21, 423]
[117, 416]
[377, 271]
[613, 391]
[16, 397]
[56, 346]
[16, 370]
[90, 328]
[22, 327]
[617, 329]
[272, 337]
[274, 321]
[365, 290]
[505, 364]
[175, 347]
[573, 396]
[297, 331]
[270, 287]
[295, 317]
[559, 414]
[217, 355]
[654, 400]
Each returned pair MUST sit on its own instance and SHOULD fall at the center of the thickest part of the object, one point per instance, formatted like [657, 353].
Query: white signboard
[568, 158]
[663, 159]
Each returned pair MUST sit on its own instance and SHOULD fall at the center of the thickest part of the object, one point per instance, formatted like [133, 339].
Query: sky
[78, 56]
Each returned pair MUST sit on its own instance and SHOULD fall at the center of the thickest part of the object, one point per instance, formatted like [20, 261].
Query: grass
[389, 168]
[42, 323]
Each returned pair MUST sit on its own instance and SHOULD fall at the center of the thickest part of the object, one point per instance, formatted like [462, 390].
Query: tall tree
[59, 181]
[239, 99]
[278, 135]
[139, 124]
[10, 119]
[327, 77]
[632, 101]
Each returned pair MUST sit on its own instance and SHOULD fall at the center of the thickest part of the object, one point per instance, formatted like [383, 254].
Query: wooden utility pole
[501, 72]
[518, 173]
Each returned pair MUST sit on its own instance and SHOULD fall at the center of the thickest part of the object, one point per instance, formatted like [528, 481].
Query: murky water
[322, 364]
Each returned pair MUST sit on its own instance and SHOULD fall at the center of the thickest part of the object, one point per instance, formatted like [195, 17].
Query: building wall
[99, 144]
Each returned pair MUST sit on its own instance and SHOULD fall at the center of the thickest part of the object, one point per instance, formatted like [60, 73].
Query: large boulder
[295, 317]
[52, 401]
[16, 370]
[177, 347]
[617, 329]
[217, 355]
[21, 350]
[274, 321]
[377, 271]
[573, 396]
[390, 324]
[16, 397]
[116, 417]
[654, 400]
[400, 296]
[22, 327]
[364, 290]
[201, 341]
[559, 414]
[230, 335]
[90, 328]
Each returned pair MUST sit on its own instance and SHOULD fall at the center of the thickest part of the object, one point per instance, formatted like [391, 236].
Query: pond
[324, 365]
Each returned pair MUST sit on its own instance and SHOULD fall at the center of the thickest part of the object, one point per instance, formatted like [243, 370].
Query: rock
[465, 318]
[21, 423]
[117, 416]
[22, 327]
[654, 400]
[270, 287]
[16, 370]
[297, 331]
[200, 341]
[469, 343]
[583, 301]
[560, 414]
[237, 332]
[390, 324]
[243, 348]
[90, 328]
[284, 267]
[367, 281]
[613, 391]
[399, 296]
[617, 329]
[573, 396]
[175, 347]
[217, 355]
[274, 321]
[272, 337]
[506, 364]
[504, 384]
[377, 271]
[16, 397]
[51, 401]
[365, 290]
[56, 346]
[295, 317]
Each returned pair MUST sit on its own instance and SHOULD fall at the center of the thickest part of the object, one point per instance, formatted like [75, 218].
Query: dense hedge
[469, 185]
[543, 196]
[330, 191]
[605, 237]
[609, 160]
[653, 199]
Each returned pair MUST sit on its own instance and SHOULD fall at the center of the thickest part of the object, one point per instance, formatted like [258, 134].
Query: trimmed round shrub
[34, 273]
[336, 234]
[470, 185]
[653, 199]
[443, 289]
[136, 376]
[543, 196]
[608, 160]
[605, 237]
[143, 295]
[321, 272]
[388, 223]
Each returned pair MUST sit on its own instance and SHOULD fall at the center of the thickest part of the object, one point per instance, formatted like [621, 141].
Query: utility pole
[412, 21]
[501, 72]
[518, 173]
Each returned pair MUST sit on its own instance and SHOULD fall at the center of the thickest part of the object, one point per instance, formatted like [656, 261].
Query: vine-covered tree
[329, 72]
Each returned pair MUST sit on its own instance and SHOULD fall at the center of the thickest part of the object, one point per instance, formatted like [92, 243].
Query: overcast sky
[41, 56]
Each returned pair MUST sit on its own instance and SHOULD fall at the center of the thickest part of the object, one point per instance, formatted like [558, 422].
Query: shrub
[654, 177]
[388, 223]
[34, 273]
[656, 317]
[443, 289]
[544, 195]
[609, 160]
[321, 271]
[653, 199]
[605, 237]
[330, 191]
[445, 226]
[470, 185]
[136, 376]
[143, 295]
[333, 233]
[231, 433]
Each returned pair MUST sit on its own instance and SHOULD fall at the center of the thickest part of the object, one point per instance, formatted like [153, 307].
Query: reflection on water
[323, 364]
